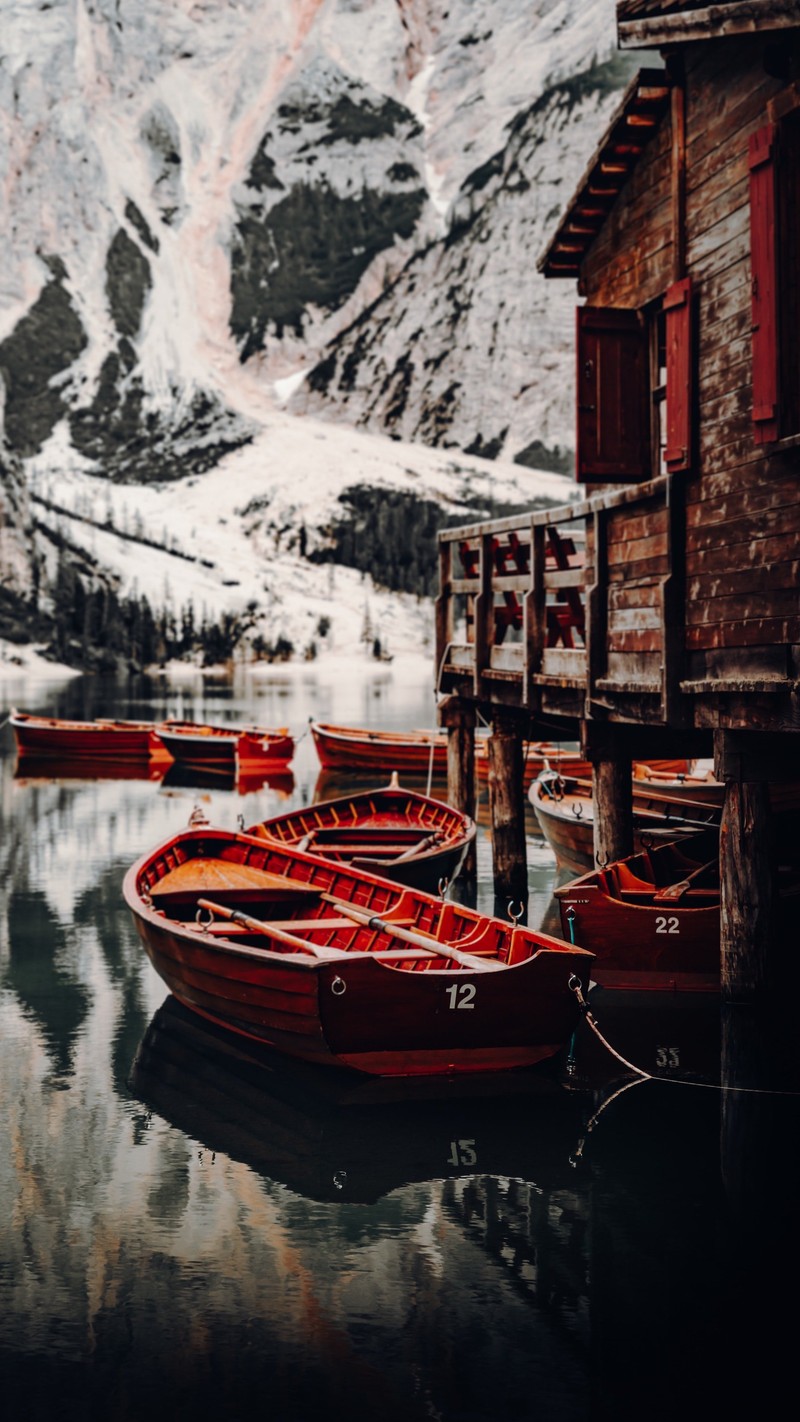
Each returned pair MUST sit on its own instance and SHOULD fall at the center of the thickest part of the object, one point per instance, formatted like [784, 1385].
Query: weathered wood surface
[460, 720]
[507, 809]
[746, 875]
[612, 792]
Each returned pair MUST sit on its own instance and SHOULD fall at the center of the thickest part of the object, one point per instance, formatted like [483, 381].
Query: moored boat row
[127, 743]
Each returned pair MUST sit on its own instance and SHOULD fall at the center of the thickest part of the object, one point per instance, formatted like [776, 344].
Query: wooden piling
[746, 898]
[747, 859]
[507, 809]
[612, 792]
[460, 719]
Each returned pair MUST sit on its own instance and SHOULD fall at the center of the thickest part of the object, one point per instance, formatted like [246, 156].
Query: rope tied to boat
[576, 986]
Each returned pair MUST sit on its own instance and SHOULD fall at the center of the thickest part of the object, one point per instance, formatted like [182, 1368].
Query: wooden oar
[427, 843]
[257, 925]
[419, 940]
[677, 890]
[302, 945]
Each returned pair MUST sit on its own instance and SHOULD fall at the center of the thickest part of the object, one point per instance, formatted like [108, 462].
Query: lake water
[194, 1229]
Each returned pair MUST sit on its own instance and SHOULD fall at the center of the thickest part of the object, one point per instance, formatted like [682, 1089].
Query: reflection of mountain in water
[331, 1135]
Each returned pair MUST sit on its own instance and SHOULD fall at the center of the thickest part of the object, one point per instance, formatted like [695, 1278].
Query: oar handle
[419, 940]
[280, 935]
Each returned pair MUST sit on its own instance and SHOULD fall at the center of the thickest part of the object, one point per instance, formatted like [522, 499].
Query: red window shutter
[678, 316]
[613, 442]
[764, 284]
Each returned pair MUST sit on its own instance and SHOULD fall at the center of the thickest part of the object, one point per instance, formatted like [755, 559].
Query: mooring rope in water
[575, 985]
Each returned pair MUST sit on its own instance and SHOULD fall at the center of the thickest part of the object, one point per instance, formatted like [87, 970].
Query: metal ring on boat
[338, 986]
[577, 809]
[203, 923]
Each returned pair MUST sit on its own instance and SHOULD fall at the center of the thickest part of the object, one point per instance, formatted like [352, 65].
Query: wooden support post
[507, 809]
[460, 717]
[612, 792]
[746, 866]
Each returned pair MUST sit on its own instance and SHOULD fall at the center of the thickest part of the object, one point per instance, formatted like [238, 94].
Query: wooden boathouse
[658, 614]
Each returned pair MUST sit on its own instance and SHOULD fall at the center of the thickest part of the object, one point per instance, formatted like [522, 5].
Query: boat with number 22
[335, 966]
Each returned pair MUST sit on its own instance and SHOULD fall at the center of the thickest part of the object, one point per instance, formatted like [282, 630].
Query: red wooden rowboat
[397, 833]
[419, 753]
[53, 738]
[653, 919]
[332, 965]
[691, 783]
[563, 809]
[227, 747]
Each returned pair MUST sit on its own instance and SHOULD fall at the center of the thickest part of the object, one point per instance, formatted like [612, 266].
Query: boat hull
[422, 753]
[123, 742]
[656, 947]
[567, 824]
[213, 748]
[350, 1007]
[393, 832]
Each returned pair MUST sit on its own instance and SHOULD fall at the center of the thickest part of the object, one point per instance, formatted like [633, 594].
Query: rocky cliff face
[469, 346]
[216, 210]
[204, 198]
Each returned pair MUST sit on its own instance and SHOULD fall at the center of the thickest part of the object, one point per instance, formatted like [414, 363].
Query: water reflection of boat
[674, 1036]
[53, 768]
[242, 781]
[346, 1138]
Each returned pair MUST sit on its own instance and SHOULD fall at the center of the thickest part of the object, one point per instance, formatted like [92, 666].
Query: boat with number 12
[332, 965]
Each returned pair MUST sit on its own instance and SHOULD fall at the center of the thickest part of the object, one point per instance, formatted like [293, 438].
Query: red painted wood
[764, 284]
[488, 994]
[680, 395]
[612, 399]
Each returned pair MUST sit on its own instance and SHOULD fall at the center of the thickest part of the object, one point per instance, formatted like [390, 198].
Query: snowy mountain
[213, 211]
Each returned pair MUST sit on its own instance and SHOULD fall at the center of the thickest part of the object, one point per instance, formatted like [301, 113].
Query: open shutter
[613, 443]
[764, 284]
[678, 317]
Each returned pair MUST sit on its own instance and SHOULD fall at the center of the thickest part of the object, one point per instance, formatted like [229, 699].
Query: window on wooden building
[775, 278]
[634, 390]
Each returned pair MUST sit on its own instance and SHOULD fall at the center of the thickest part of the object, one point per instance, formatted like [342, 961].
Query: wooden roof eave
[635, 120]
[638, 27]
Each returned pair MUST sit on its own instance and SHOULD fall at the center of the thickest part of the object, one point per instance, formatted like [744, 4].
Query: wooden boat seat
[652, 897]
[627, 881]
[226, 929]
[228, 881]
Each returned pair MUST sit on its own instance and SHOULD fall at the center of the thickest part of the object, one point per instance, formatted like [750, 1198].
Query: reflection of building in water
[538, 1234]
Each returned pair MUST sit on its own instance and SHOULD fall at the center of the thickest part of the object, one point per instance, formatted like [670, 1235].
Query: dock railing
[584, 597]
